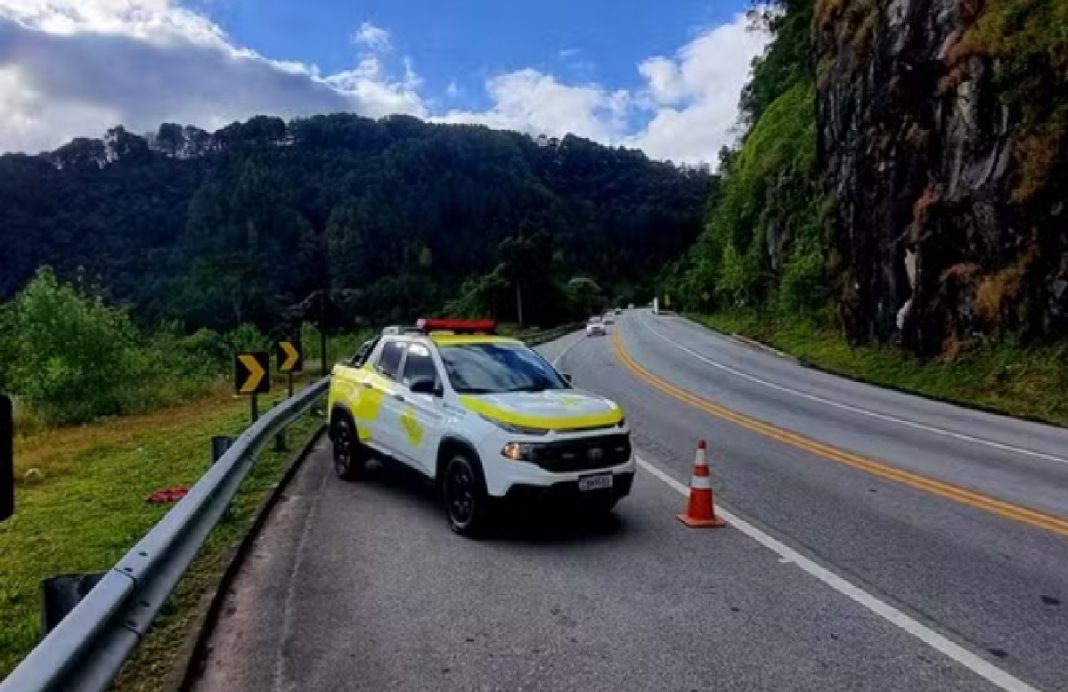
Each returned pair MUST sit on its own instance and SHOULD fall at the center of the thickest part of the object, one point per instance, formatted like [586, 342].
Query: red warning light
[437, 324]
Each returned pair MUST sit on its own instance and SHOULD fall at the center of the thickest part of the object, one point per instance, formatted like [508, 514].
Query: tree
[215, 229]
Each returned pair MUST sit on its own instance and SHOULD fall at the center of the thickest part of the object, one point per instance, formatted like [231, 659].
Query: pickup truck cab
[484, 417]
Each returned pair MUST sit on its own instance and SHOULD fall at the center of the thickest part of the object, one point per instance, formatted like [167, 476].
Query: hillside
[390, 216]
[902, 177]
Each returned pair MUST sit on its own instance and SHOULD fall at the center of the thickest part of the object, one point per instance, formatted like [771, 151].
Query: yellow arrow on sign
[292, 355]
[255, 373]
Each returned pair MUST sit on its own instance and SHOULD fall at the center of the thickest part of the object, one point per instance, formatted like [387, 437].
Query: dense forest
[901, 178]
[367, 221]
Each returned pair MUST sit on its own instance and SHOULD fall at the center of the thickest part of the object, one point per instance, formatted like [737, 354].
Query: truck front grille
[584, 454]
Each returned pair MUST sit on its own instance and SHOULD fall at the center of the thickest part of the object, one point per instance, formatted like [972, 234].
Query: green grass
[1004, 377]
[88, 508]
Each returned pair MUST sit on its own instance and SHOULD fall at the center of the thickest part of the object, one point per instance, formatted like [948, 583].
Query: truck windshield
[495, 368]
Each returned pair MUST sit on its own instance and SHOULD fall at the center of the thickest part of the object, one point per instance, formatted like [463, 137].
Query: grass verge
[1005, 377]
[88, 507]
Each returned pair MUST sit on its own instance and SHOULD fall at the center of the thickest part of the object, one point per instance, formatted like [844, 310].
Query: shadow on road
[532, 524]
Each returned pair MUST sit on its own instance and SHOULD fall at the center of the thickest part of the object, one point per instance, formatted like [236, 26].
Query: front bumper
[570, 460]
[568, 493]
[502, 475]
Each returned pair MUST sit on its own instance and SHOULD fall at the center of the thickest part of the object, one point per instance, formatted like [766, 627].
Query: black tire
[463, 493]
[350, 457]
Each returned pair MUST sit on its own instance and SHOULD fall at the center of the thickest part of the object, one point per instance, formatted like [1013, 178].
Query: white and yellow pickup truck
[485, 417]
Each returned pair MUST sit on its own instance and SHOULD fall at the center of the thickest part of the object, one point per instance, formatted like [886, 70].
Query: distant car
[619, 311]
[630, 306]
[609, 317]
[595, 327]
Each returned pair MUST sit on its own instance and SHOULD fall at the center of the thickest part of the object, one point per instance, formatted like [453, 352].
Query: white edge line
[855, 409]
[977, 665]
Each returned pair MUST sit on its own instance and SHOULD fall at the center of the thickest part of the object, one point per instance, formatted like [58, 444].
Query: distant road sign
[289, 356]
[7, 464]
[250, 372]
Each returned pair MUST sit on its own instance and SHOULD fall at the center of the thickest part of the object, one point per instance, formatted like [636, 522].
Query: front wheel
[349, 455]
[465, 498]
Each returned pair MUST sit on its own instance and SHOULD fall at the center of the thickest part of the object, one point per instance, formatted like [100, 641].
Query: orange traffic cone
[701, 510]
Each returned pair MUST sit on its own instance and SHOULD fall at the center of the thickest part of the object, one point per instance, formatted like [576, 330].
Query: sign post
[7, 463]
[251, 377]
[289, 358]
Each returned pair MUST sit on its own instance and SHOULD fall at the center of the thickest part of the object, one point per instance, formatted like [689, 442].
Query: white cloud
[690, 100]
[77, 67]
[373, 37]
[533, 102]
[694, 95]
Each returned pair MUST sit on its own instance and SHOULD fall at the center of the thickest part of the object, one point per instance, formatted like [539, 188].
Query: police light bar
[435, 324]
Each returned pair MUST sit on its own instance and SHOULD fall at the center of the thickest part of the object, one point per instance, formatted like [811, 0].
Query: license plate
[598, 482]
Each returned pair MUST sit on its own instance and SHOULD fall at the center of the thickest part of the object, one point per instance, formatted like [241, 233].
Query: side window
[420, 364]
[363, 352]
[390, 359]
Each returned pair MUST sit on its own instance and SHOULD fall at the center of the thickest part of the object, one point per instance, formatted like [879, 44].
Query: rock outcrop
[942, 150]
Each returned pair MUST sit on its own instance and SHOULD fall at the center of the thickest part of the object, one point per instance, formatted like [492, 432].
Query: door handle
[367, 385]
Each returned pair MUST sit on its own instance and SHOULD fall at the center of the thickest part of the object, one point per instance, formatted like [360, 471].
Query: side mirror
[424, 385]
[566, 376]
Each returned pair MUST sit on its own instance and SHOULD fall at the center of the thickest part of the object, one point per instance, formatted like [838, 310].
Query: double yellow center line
[970, 498]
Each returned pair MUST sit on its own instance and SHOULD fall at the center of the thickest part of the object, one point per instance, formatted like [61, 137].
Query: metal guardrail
[86, 651]
[549, 334]
[88, 648]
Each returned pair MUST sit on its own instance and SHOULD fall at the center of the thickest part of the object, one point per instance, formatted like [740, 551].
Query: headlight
[515, 429]
[520, 451]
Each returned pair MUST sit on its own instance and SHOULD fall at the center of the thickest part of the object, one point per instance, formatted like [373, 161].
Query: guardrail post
[219, 445]
[280, 438]
[60, 594]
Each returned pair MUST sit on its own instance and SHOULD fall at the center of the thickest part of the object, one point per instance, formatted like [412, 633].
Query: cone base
[695, 523]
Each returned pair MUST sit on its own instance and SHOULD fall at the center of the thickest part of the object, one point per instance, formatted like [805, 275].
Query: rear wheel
[465, 498]
[350, 457]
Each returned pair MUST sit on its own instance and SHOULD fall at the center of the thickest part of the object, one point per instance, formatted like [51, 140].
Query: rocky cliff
[942, 148]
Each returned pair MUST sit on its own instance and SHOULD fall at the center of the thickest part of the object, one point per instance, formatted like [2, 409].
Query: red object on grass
[166, 495]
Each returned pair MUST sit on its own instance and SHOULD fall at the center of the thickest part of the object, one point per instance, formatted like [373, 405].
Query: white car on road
[595, 327]
[486, 418]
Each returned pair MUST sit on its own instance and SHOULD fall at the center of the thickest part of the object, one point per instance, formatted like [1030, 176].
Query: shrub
[803, 288]
[247, 337]
[71, 357]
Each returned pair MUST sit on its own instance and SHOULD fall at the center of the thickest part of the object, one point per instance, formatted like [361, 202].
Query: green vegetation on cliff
[899, 190]
[762, 246]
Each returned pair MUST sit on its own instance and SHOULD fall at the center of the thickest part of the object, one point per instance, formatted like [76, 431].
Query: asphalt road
[835, 574]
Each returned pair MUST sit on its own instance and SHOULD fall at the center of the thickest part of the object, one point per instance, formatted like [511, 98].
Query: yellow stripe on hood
[588, 420]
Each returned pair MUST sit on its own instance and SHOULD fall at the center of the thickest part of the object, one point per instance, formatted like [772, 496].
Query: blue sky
[466, 41]
[660, 75]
